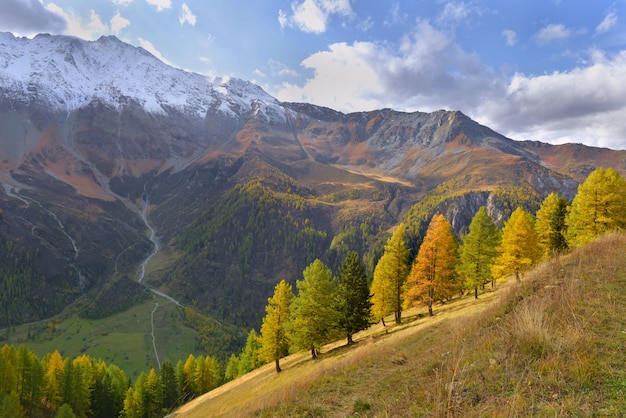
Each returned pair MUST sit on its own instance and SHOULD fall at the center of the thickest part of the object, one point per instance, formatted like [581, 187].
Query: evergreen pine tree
[550, 225]
[478, 251]
[353, 297]
[313, 316]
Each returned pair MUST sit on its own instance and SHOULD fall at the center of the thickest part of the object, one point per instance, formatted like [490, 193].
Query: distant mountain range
[110, 158]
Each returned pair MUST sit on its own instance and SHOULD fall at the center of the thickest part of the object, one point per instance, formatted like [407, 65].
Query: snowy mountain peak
[68, 73]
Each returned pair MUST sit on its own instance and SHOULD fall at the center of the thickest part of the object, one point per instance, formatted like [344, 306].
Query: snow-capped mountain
[68, 73]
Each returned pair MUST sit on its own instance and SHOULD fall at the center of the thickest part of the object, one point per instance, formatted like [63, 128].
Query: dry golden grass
[554, 345]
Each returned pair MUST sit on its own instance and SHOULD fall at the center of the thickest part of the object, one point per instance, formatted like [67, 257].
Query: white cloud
[454, 13]
[309, 17]
[510, 37]
[160, 4]
[553, 32]
[344, 78]
[313, 15]
[425, 71]
[607, 24]
[581, 105]
[186, 15]
[283, 20]
[29, 17]
[395, 16]
[280, 69]
[147, 45]
[122, 2]
[91, 29]
[365, 24]
[118, 23]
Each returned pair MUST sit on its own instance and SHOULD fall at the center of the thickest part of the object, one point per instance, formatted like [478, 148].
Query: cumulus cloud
[160, 4]
[280, 69]
[118, 23]
[581, 105]
[553, 32]
[91, 28]
[313, 15]
[186, 15]
[29, 17]
[510, 37]
[454, 13]
[607, 24]
[426, 70]
[148, 46]
[122, 2]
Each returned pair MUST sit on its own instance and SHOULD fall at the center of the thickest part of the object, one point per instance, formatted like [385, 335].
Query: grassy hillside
[550, 346]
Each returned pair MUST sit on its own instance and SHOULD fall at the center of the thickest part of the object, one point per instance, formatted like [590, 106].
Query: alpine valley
[120, 174]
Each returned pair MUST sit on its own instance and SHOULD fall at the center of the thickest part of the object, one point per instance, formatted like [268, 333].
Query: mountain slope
[551, 345]
[106, 153]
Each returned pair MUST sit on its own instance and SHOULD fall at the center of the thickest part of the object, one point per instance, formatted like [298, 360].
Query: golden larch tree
[598, 207]
[274, 339]
[433, 275]
[518, 250]
[389, 278]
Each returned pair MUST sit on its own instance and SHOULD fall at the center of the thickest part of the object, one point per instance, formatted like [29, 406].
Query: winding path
[156, 247]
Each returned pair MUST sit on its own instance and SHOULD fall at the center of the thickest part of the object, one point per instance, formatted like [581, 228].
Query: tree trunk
[476, 292]
[430, 309]
[278, 369]
[383, 321]
[350, 339]
[313, 353]
[398, 317]
[517, 279]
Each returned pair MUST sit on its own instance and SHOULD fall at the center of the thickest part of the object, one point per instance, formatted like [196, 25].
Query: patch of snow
[69, 73]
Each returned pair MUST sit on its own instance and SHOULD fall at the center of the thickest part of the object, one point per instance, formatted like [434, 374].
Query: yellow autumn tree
[433, 274]
[274, 339]
[598, 207]
[550, 225]
[518, 250]
[389, 278]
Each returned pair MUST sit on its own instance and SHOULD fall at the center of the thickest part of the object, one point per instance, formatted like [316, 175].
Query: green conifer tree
[313, 314]
[353, 297]
[478, 251]
[550, 225]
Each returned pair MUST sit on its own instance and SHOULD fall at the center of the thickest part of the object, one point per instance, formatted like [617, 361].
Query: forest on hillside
[326, 306]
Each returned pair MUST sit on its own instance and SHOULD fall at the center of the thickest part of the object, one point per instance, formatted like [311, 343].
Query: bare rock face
[100, 141]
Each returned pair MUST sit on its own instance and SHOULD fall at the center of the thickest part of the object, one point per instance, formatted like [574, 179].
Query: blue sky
[548, 70]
